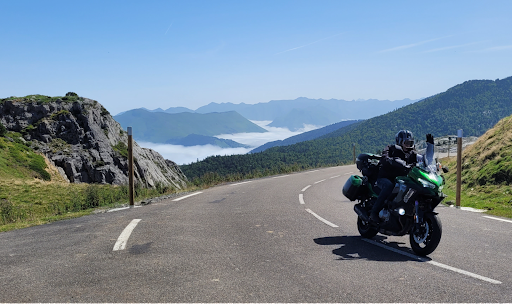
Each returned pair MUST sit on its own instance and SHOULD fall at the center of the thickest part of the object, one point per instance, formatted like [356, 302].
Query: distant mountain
[159, 127]
[309, 135]
[201, 140]
[174, 110]
[355, 109]
[474, 106]
[293, 114]
[297, 118]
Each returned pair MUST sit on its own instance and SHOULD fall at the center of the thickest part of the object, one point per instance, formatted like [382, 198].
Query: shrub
[121, 148]
[10, 213]
[3, 130]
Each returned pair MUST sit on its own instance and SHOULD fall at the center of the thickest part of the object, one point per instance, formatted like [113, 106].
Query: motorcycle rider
[396, 161]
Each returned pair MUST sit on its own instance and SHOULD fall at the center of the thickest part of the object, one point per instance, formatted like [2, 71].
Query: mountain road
[288, 238]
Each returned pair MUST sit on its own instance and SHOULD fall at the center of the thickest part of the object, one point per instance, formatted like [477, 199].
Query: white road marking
[306, 188]
[348, 173]
[498, 219]
[323, 180]
[322, 219]
[186, 196]
[122, 208]
[313, 171]
[280, 176]
[464, 272]
[335, 176]
[125, 235]
[241, 183]
[301, 199]
[469, 209]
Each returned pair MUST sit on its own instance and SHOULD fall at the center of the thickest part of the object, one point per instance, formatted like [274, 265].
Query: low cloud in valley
[186, 155]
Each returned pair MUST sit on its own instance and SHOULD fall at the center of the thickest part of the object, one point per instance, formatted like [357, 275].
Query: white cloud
[402, 47]
[299, 47]
[186, 155]
[451, 47]
[257, 139]
[497, 48]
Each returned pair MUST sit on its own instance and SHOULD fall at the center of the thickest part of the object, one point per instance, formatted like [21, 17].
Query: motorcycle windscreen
[429, 158]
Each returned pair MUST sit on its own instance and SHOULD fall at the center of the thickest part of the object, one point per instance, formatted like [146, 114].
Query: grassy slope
[486, 172]
[33, 193]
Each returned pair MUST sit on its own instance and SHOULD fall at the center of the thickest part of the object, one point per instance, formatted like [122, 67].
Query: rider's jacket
[396, 162]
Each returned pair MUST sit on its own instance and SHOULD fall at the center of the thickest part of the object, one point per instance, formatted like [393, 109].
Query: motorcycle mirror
[445, 169]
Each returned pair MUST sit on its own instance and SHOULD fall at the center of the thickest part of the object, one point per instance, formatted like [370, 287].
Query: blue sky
[131, 54]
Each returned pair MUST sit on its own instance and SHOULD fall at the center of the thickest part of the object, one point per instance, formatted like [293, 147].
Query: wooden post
[354, 152]
[449, 145]
[459, 166]
[130, 167]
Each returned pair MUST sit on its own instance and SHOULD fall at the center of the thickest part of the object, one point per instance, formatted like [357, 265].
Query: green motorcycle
[410, 207]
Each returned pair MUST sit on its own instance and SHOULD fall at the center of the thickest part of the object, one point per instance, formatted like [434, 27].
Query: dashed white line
[306, 188]
[464, 272]
[335, 176]
[280, 176]
[323, 180]
[498, 219]
[322, 219]
[301, 199]
[125, 235]
[241, 183]
[186, 196]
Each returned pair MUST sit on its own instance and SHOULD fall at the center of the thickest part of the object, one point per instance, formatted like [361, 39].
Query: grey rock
[80, 137]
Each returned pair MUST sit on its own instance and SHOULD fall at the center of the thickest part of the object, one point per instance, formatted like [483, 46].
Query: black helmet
[405, 139]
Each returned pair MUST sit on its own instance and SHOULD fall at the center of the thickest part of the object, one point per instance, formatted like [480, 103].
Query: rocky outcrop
[80, 137]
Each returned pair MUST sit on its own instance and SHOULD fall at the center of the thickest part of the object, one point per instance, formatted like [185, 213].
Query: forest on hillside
[474, 106]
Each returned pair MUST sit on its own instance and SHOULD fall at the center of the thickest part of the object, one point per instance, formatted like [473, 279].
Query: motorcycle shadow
[354, 248]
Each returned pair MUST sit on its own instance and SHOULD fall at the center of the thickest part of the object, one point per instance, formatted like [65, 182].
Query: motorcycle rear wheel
[425, 239]
[365, 229]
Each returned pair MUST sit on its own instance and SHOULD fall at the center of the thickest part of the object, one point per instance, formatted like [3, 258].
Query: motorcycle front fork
[418, 214]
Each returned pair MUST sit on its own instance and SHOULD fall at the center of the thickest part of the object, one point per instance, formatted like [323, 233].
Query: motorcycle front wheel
[365, 229]
[424, 238]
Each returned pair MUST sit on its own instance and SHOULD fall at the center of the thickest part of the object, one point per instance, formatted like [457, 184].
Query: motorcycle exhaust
[361, 213]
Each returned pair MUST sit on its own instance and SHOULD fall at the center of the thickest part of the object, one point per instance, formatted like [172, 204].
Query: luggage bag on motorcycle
[352, 187]
[368, 164]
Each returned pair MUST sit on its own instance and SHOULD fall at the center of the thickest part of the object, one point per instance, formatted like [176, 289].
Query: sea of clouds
[186, 155]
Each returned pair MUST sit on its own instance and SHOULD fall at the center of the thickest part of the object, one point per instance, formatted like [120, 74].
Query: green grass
[30, 202]
[31, 193]
[18, 160]
[496, 199]
[121, 148]
[41, 99]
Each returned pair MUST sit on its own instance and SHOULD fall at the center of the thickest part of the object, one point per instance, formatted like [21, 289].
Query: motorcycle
[410, 207]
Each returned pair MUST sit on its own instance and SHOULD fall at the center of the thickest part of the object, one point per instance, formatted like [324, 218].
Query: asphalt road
[292, 238]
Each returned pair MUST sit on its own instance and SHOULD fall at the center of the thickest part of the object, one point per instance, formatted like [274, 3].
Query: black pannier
[368, 164]
[353, 187]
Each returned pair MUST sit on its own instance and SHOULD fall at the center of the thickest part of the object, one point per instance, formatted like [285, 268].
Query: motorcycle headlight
[426, 184]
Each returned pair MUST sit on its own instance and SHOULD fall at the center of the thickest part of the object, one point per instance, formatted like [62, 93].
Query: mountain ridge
[159, 127]
[474, 106]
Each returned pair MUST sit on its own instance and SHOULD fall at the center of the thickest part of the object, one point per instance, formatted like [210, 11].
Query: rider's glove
[430, 139]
